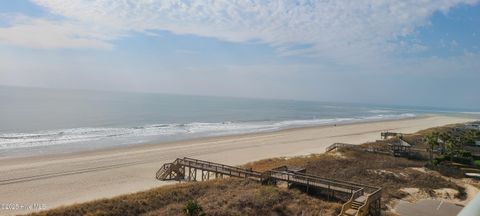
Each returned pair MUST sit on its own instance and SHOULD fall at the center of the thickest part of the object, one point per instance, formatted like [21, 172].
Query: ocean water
[37, 121]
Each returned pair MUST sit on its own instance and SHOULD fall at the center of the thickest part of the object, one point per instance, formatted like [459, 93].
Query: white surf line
[439, 205]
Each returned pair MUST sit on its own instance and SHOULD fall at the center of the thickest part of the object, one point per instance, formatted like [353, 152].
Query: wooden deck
[361, 199]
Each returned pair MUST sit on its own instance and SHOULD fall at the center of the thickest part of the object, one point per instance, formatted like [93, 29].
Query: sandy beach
[55, 180]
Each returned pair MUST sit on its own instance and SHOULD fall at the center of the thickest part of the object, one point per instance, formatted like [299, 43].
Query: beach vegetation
[448, 144]
[193, 208]
[477, 163]
[230, 196]
[432, 141]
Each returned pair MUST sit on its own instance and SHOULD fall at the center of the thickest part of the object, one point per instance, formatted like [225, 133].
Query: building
[400, 148]
[473, 125]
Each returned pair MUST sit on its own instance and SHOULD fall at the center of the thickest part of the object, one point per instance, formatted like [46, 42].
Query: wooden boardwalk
[400, 148]
[189, 169]
[336, 146]
[387, 134]
[361, 199]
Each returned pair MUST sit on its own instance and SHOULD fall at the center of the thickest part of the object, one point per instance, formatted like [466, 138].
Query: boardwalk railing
[348, 205]
[387, 134]
[372, 199]
[187, 169]
[402, 149]
[339, 145]
[312, 181]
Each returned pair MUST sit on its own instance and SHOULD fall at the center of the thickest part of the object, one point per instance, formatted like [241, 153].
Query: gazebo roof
[401, 143]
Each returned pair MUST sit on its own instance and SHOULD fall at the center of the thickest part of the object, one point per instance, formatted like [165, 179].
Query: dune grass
[390, 173]
[216, 197]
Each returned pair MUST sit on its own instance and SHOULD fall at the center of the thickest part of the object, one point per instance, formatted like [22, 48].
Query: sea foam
[168, 131]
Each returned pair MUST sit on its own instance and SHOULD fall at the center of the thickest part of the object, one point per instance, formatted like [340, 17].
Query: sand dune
[69, 178]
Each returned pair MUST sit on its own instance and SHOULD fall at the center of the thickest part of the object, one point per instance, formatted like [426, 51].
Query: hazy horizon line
[401, 106]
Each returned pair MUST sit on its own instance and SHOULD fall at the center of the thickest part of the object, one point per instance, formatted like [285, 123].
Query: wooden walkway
[377, 150]
[361, 199]
[336, 146]
[401, 148]
[387, 134]
[189, 169]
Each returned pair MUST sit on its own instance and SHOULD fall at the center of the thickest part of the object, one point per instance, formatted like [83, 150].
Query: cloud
[335, 29]
[48, 34]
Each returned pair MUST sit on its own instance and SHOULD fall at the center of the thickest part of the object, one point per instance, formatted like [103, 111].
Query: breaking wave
[162, 131]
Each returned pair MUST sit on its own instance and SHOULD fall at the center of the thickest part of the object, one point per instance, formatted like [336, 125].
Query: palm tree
[444, 137]
[470, 137]
[450, 148]
[432, 142]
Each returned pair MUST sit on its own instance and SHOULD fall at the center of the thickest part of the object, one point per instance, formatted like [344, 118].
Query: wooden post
[189, 173]
[379, 207]
[183, 172]
[193, 174]
[329, 191]
[195, 170]
[308, 185]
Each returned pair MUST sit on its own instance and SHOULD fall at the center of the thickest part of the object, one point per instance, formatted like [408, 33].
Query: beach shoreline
[53, 150]
[150, 144]
[63, 179]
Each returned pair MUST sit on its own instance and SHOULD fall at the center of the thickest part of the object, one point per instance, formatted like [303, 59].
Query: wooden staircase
[355, 206]
[362, 203]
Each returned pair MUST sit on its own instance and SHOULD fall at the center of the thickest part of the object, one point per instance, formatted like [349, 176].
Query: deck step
[350, 212]
[361, 199]
[356, 205]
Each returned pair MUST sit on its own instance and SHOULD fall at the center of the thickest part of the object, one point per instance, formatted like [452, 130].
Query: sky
[410, 52]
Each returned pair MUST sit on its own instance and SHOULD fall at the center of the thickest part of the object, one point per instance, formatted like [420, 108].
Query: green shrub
[466, 154]
[193, 208]
[477, 163]
[440, 159]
